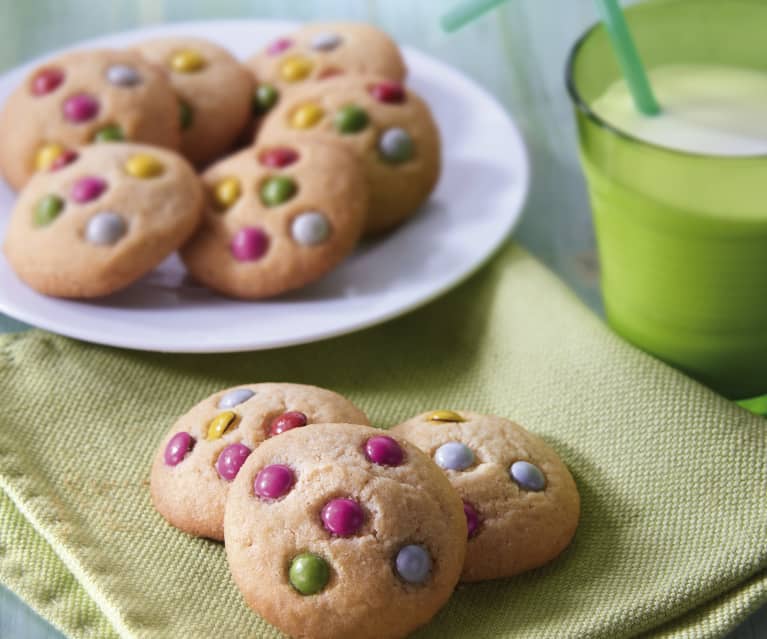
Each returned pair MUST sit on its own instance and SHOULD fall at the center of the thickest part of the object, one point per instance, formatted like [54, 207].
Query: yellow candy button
[306, 116]
[46, 155]
[445, 416]
[220, 424]
[226, 192]
[187, 61]
[144, 166]
[296, 68]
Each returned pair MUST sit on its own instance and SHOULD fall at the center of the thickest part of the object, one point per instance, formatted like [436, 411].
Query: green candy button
[309, 573]
[185, 115]
[350, 119]
[48, 209]
[110, 133]
[264, 99]
[277, 190]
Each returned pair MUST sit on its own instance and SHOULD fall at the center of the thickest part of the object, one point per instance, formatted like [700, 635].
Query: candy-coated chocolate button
[185, 115]
[144, 166]
[187, 61]
[342, 517]
[287, 421]
[279, 45]
[384, 450]
[226, 192]
[296, 68]
[47, 209]
[310, 228]
[396, 145]
[46, 80]
[309, 573]
[235, 397]
[325, 41]
[105, 228]
[220, 424]
[472, 518]
[278, 157]
[350, 119]
[445, 416]
[264, 98]
[273, 482]
[277, 190]
[47, 154]
[87, 188]
[64, 158]
[80, 107]
[178, 446]
[329, 72]
[528, 476]
[122, 75]
[413, 564]
[388, 91]
[454, 456]
[249, 244]
[306, 116]
[109, 133]
[231, 460]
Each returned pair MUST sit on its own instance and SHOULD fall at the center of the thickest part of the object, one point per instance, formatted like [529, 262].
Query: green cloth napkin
[673, 536]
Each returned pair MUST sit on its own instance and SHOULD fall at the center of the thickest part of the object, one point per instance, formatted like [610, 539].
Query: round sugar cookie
[521, 503]
[318, 51]
[79, 98]
[214, 92]
[204, 450]
[341, 531]
[387, 126]
[102, 220]
[279, 216]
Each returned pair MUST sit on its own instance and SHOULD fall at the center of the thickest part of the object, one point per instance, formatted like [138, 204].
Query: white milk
[715, 110]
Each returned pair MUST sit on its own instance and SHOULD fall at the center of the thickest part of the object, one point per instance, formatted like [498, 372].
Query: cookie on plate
[204, 450]
[102, 220]
[279, 216]
[521, 503]
[321, 50]
[214, 91]
[389, 128]
[79, 98]
[341, 531]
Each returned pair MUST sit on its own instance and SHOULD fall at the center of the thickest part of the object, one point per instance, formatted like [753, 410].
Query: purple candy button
[231, 460]
[342, 517]
[273, 482]
[80, 107]
[279, 45]
[178, 446]
[249, 244]
[87, 188]
[472, 518]
[384, 450]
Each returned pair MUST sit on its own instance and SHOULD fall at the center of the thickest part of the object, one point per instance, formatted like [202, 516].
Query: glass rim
[582, 105]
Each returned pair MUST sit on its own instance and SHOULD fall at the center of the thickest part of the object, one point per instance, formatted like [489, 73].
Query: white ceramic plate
[478, 201]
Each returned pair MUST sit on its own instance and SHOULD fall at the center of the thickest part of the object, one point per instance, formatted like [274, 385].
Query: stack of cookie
[331, 525]
[337, 148]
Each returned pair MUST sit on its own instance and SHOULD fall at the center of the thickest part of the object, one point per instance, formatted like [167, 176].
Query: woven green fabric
[673, 536]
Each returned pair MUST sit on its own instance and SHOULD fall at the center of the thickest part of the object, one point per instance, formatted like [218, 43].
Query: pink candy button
[178, 446]
[80, 107]
[279, 45]
[472, 518]
[342, 517]
[249, 244]
[67, 157]
[273, 482]
[231, 460]
[388, 91]
[384, 450]
[87, 188]
[278, 157]
[46, 81]
[287, 421]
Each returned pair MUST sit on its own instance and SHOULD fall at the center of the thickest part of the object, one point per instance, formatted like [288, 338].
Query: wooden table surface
[517, 52]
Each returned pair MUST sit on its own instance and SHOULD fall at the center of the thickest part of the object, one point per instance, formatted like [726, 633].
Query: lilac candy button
[273, 482]
[87, 188]
[80, 107]
[178, 446]
[528, 476]
[231, 460]
[384, 450]
[342, 517]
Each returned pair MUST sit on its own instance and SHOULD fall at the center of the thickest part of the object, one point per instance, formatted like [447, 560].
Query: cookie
[107, 216]
[214, 92]
[321, 50]
[279, 216]
[521, 503]
[79, 98]
[341, 531]
[387, 126]
[202, 453]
